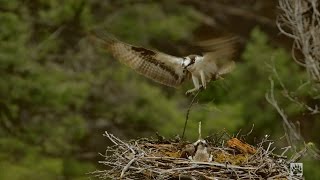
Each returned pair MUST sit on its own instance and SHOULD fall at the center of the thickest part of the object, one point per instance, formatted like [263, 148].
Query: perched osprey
[171, 70]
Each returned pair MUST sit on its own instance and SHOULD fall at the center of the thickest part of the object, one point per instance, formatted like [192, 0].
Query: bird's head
[201, 144]
[190, 60]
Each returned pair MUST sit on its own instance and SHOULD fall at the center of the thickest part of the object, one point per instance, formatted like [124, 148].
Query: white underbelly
[208, 73]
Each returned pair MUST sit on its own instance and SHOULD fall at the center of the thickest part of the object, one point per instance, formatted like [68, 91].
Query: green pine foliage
[57, 89]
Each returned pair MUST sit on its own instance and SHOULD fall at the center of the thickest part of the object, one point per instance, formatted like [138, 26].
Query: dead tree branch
[300, 20]
[292, 134]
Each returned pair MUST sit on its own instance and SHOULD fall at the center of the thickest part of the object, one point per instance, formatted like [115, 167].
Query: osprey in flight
[171, 70]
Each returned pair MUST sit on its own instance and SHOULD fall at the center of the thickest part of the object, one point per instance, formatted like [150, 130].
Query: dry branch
[300, 20]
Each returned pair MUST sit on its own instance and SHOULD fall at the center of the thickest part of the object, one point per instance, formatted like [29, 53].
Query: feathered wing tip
[101, 36]
[222, 51]
[217, 43]
[227, 68]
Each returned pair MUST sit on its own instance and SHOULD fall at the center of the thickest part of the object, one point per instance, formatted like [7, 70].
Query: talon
[189, 92]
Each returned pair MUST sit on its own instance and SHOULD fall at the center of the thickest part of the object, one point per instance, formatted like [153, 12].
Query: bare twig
[199, 130]
[216, 164]
[127, 167]
[188, 112]
[288, 95]
[285, 150]
[246, 135]
[271, 99]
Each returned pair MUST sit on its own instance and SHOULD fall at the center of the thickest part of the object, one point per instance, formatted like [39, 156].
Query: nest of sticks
[227, 158]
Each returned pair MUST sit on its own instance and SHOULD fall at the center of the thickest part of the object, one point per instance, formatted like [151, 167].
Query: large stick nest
[175, 159]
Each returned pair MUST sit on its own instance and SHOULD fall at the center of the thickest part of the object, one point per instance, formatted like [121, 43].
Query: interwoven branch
[150, 159]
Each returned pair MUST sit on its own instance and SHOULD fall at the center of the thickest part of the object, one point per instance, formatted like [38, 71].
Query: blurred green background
[59, 92]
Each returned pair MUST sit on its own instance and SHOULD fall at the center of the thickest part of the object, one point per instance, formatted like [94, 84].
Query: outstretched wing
[221, 53]
[158, 66]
